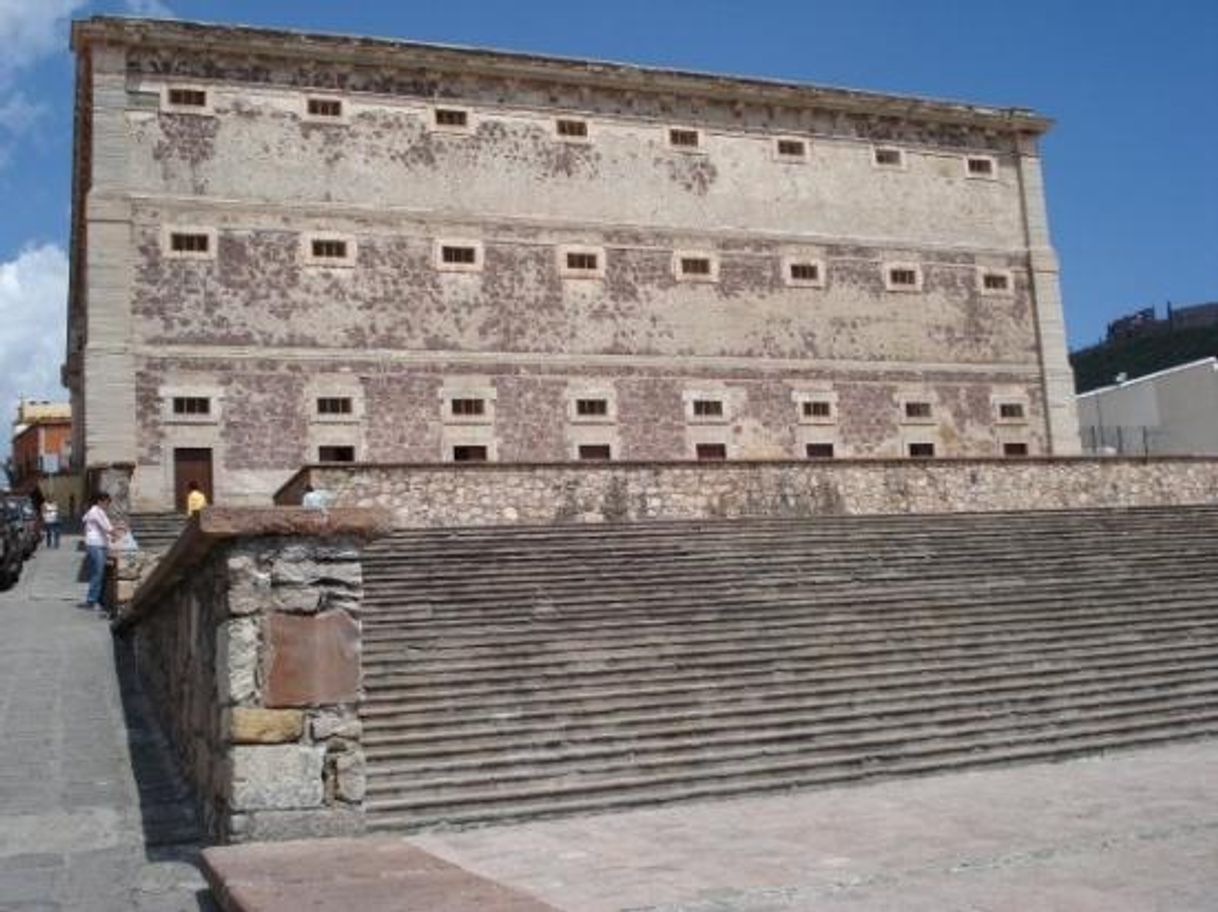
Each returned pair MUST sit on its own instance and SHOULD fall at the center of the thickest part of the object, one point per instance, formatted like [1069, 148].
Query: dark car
[12, 541]
[31, 523]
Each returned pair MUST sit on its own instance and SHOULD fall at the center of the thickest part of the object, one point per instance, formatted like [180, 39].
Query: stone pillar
[113, 479]
[1057, 377]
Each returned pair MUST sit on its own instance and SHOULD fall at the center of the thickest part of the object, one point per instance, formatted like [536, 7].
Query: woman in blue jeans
[98, 533]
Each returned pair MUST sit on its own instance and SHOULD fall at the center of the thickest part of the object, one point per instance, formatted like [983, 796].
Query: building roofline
[338, 48]
[1212, 361]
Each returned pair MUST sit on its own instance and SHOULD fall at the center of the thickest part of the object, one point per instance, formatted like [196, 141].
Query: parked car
[12, 541]
[31, 524]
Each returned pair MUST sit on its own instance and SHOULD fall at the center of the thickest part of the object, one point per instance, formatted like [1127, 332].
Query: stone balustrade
[247, 637]
[504, 493]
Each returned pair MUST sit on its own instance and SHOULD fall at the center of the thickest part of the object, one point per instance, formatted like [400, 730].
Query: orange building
[42, 447]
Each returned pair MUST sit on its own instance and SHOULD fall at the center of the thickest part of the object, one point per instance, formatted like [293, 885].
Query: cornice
[360, 51]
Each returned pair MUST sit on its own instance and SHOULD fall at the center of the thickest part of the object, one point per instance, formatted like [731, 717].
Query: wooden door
[190, 464]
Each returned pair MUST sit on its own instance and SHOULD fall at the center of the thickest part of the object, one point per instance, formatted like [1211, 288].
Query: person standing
[196, 500]
[98, 534]
[50, 521]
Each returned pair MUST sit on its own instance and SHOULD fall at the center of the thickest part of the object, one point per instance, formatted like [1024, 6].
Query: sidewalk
[92, 816]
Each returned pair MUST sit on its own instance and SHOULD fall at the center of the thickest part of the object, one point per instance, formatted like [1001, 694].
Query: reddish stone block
[311, 661]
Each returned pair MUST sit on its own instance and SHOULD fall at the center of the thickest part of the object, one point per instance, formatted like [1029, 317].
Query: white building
[1170, 412]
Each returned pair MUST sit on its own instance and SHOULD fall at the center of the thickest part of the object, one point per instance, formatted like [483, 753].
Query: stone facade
[248, 639]
[691, 239]
[423, 496]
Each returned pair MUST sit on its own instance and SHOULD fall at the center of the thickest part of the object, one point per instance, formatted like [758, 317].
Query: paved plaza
[91, 814]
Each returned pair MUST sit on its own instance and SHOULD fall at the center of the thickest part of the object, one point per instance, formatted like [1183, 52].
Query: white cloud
[18, 114]
[153, 9]
[33, 320]
[31, 29]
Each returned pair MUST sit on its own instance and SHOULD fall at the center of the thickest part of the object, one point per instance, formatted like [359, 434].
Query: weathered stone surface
[277, 777]
[309, 572]
[328, 724]
[249, 725]
[267, 826]
[350, 776]
[311, 661]
[237, 660]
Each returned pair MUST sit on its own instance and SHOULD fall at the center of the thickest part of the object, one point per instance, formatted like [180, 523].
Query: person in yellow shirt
[196, 500]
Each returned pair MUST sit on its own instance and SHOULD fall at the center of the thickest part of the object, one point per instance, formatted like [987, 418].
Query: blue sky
[1131, 168]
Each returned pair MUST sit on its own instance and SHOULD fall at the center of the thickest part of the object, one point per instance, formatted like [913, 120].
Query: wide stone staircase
[515, 673]
[156, 531]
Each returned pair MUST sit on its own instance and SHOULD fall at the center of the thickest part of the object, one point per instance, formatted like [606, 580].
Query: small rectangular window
[708, 408]
[979, 166]
[818, 408]
[452, 117]
[903, 277]
[592, 408]
[188, 98]
[695, 266]
[189, 242]
[469, 453]
[805, 272]
[467, 256]
[1014, 449]
[572, 129]
[917, 410]
[1011, 411]
[888, 157]
[328, 249]
[710, 452]
[334, 405]
[791, 148]
[336, 454]
[594, 451]
[995, 282]
[191, 405]
[469, 408]
[684, 138]
[922, 450]
[583, 261]
[819, 450]
[324, 107]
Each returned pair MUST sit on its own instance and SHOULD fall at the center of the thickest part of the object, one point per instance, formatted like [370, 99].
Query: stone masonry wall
[249, 645]
[422, 496]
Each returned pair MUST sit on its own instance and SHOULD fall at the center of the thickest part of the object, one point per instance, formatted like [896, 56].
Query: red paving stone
[351, 875]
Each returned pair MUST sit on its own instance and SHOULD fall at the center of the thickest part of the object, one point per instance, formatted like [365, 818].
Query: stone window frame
[910, 443]
[805, 396]
[465, 129]
[790, 281]
[890, 267]
[343, 118]
[463, 390]
[707, 278]
[694, 442]
[1006, 444]
[355, 452]
[308, 258]
[879, 149]
[1000, 401]
[355, 416]
[465, 437]
[1009, 275]
[207, 109]
[567, 272]
[575, 393]
[801, 158]
[831, 444]
[214, 395]
[969, 173]
[697, 148]
[577, 445]
[690, 396]
[907, 399]
[584, 140]
[168, 231]
[437, 255]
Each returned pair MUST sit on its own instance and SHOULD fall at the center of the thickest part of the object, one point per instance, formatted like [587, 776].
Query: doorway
[191, 464]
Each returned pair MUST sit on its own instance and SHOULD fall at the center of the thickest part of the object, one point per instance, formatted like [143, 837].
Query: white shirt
[97, 527]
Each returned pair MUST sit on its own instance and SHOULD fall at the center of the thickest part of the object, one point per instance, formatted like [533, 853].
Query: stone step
[641, 792]
[778, 736]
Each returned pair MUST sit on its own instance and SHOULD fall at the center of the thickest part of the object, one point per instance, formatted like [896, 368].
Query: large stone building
[290, 248]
